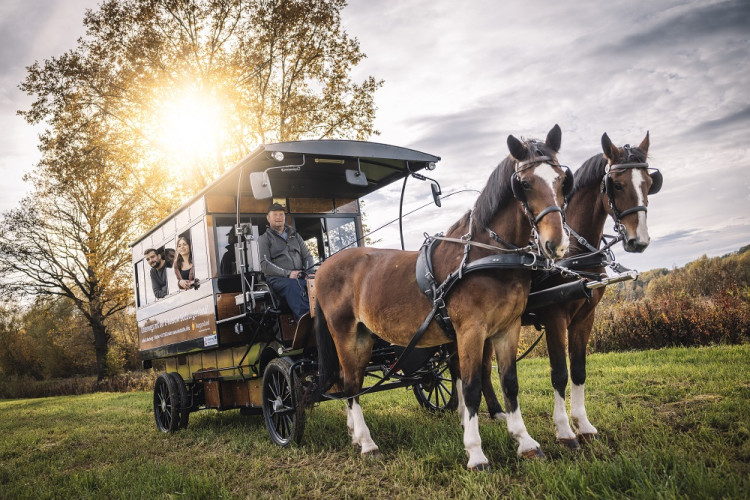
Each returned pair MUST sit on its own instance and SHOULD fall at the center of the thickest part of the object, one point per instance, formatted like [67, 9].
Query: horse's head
[542, 186]
[626, 187]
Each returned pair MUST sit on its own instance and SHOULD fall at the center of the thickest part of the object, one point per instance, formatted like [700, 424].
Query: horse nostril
[550, 248]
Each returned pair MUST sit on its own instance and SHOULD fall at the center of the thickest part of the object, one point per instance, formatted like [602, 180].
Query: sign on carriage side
[192, 321]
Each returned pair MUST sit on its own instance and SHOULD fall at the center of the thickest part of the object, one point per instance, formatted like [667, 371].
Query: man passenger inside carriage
[284, 258]
[158, 272]
[228, 264]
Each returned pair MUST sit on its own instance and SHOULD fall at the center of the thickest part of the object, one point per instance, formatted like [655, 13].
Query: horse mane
[591, 171]
[498, 191]
[495, 195]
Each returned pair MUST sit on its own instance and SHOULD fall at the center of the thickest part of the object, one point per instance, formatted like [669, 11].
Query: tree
[120, 151]
[199, 84]
[69, 239]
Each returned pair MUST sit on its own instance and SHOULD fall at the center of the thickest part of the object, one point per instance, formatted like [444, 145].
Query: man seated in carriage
[158, 272]
[284, 258]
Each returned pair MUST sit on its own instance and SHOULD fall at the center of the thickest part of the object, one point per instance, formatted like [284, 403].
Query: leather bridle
[519, 194]
[608, 187]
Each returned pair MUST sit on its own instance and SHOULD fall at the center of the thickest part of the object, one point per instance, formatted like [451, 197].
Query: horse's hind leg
[555, 330]
[506, 347]
[354, 358]
[578, 337]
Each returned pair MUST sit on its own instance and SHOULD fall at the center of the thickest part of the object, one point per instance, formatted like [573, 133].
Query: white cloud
[460, 78]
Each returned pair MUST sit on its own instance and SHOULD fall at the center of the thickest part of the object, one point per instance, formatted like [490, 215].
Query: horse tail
[329, 367]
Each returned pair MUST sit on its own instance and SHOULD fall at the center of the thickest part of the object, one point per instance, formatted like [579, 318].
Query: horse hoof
[535, 454]
[570, 443]
[587, 438]
[372, 454]
[481, 468]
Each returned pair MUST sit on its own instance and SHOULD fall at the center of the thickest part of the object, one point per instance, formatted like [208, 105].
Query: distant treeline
[706, 302]
[703, 303]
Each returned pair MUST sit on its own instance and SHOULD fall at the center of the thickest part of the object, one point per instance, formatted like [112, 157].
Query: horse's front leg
[578, 337]
[506, 348]
[360, 433]
[470, 385]
[556, 329]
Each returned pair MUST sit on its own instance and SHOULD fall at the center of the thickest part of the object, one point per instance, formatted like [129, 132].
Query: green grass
[675, 423]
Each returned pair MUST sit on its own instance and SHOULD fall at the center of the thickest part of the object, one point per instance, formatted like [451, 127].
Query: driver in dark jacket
[284, 257]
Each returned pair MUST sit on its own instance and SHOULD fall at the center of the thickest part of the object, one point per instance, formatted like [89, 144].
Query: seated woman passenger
[183, 265]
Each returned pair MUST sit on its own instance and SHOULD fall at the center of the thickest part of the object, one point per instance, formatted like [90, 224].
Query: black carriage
[230, 342]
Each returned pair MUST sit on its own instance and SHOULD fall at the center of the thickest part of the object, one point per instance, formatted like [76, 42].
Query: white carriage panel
[197, 209]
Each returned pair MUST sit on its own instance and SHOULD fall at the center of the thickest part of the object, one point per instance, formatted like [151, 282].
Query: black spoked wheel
[285, 417]
[166, 403]
[437, 390]
[184, 403]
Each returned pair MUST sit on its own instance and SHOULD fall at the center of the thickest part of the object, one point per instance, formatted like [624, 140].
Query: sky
[459, 80]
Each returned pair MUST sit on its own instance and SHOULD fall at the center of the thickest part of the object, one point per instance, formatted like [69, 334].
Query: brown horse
[617, 184]
[364, 292]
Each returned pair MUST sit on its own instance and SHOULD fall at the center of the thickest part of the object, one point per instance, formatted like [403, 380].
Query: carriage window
[200, 254]
[325, 236]
[342, 233]
[225, 238]
[140, 283]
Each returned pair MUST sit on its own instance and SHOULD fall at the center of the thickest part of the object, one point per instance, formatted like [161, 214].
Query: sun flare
[189, 125]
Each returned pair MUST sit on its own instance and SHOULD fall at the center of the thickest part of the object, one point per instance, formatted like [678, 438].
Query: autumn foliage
[707, 302]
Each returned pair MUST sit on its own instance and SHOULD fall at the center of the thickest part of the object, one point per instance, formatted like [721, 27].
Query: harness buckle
[533, 263]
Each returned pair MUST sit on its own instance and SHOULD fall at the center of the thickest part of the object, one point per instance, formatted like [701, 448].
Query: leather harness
[437, 292]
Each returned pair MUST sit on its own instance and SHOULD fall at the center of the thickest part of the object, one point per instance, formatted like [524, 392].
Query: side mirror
[261, 185]
[436, 192]
[356, 178]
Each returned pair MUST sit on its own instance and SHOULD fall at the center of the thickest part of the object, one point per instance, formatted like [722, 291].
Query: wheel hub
[277, 404]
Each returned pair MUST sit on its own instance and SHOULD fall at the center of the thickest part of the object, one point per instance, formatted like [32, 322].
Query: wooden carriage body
[217, 340]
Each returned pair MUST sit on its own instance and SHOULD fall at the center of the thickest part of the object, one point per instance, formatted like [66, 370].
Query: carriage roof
[317, 169]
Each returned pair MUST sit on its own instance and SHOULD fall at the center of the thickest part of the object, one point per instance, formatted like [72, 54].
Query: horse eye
[618, 186]
[526, 184]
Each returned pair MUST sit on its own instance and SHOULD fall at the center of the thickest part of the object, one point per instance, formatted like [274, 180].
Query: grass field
[675, 423]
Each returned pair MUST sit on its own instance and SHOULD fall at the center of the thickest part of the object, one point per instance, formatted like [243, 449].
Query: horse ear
[610, 150]
[517, 148]
[554, 138]
[644, 144]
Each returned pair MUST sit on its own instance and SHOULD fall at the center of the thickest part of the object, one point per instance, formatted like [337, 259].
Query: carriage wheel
[183, 407]
[437, 390]
[166, 403]
[285, 418]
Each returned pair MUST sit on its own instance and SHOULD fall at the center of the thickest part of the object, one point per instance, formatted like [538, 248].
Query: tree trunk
[101, 347]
